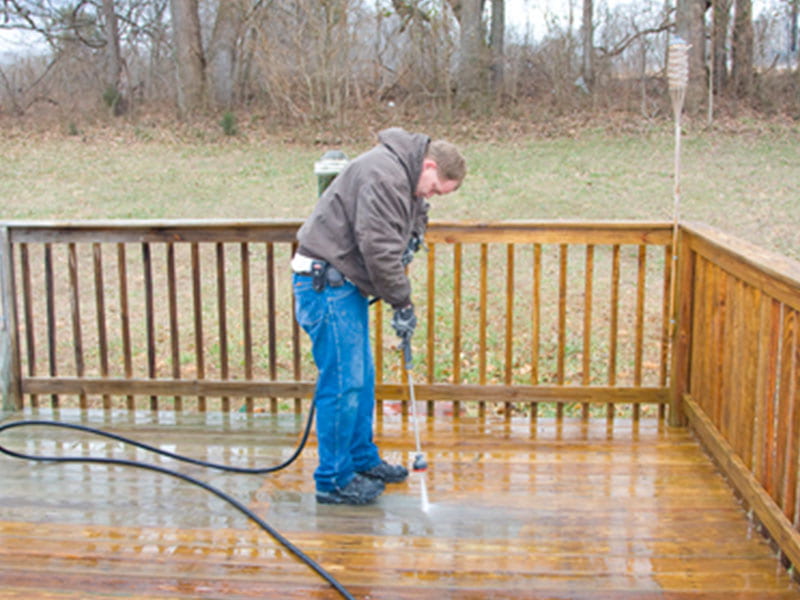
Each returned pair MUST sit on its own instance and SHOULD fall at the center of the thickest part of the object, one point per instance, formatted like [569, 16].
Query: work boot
[387, 473]
[360, 490]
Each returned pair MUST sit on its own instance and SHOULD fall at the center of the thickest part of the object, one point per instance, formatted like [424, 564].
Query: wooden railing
[534, 318]
[737, 370]
[543, 319]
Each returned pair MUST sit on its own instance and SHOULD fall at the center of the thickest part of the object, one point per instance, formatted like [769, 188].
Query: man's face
[430, 184]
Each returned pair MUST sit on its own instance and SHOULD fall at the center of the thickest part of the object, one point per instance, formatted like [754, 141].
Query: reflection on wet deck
[571, 510]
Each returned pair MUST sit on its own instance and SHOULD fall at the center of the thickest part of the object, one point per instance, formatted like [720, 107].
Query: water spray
[419, 465]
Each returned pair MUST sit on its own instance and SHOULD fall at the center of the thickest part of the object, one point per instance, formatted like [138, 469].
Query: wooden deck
[569, 510]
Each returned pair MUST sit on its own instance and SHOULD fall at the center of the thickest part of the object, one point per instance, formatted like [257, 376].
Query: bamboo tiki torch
[678, 76]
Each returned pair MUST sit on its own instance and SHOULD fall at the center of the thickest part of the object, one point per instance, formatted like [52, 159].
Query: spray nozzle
[419, 463]
[406, 346]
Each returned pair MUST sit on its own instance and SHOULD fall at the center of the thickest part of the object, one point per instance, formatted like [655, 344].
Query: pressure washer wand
[419, 460]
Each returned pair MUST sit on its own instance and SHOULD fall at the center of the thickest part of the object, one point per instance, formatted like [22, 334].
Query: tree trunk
[742, 50]
[472, 63]
[222, 52]
[113, 93]
[496, 42]
[721, 15]
[189, 55]
[690, 26]
[587, 34]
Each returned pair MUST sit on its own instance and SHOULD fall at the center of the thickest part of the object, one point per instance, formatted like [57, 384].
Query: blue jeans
[337, 321]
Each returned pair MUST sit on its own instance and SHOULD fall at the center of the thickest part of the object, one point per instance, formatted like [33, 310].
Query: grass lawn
[743, 178]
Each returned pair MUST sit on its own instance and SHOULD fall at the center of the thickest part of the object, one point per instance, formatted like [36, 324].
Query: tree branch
[627, 41]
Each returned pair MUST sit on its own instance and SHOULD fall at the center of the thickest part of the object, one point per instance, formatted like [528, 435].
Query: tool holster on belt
[323, 273]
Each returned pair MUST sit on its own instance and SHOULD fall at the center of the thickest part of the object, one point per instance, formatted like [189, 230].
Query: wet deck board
[543, 510]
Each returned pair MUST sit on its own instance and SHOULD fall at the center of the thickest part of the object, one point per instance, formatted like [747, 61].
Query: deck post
[681, 330]
[9, 357]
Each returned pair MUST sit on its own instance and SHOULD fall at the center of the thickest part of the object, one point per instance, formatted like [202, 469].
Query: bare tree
[113, 93]
[223, 50]
[496, 43]
[190, 67]
[587, 38]
[472, 59]
[742, 48]
[721, 11]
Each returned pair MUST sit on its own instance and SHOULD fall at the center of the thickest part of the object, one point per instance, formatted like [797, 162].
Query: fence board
[27, 304]
[197, 311]
[174, 335]
[614, 323]
[639, 326]
[272, 336]
[100, 312]
[51, 318]
[247, 321]
[124, 314]
[786, 461]
[9, 348]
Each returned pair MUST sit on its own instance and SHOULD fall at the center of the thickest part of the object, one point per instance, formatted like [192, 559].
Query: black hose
[216, 491]
[153, 449]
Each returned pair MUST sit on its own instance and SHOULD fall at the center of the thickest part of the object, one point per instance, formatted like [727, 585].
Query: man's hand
[404, 321]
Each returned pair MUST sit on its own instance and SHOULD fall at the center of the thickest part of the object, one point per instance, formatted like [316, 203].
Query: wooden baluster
[149, 319]
[222, 321]
[174, 336]
[124, 316]
[669, 273]
[484, 267]
[457, 271]
[272, 335]
[587, 324]
[298, 367]
[562, 321]
[509, 325]
[247, 326]
[639, 335]
[613, 326]
[100, 310]
[197, 311]
[27, 308]
[536, 322]
[431, 319]
[75, 310]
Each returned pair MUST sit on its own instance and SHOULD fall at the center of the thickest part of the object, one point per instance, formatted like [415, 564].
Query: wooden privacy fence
[534, 318]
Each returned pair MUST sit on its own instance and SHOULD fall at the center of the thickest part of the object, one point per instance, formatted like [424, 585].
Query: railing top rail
[777, 274]
[165, 230]
[587, 232]
[283, 230]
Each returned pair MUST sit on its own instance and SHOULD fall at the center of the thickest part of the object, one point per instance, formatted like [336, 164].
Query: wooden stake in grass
[678, 76]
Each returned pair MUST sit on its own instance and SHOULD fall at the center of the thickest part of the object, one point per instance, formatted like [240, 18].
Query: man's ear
[429, 163]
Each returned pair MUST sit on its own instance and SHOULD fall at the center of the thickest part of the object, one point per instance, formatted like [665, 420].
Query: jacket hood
[410, 149]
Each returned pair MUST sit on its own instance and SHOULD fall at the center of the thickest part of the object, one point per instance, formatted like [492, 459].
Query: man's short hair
[451, 166]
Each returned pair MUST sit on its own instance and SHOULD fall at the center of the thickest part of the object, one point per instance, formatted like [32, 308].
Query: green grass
[746, 181]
